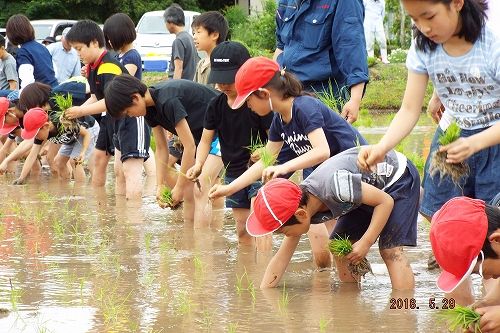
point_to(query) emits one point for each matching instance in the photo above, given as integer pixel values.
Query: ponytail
(286, 83)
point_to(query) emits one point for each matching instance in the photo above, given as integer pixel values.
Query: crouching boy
(382, 204)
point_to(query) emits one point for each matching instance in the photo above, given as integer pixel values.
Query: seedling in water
(184, 303)
(323, 324)
(147, 242)
(438, 160)
(341, 247)
(232, 327)
(15, 296)
(239, 283)
(198, 266)
(462, 318)
(284, 299)
(166, 196)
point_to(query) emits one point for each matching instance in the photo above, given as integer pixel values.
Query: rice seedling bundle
(461, 318)
(341, 247)
(438, 160)
(63, 103)
(166, 196)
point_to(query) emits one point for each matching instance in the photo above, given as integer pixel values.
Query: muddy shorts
(401, 227)
(482, 183)
(243, 197)
(132, 137)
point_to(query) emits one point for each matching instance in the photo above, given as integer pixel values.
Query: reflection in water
(79, 259)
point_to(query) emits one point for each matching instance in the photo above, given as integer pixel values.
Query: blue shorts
(482, 183)
(176, 150)
(401, 227)
(242, 198)
(132, 136)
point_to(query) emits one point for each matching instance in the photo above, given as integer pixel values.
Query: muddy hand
(218, 191)
(19, 181)
(359, 251)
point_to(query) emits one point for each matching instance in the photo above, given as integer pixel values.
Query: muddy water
(73, 259)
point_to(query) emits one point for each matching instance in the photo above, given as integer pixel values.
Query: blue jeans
(482, 182)
(242, 198)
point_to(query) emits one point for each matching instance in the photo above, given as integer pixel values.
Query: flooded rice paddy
(77, 259)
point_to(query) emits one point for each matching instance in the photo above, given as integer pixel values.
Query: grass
(386, 88)
(462, 318)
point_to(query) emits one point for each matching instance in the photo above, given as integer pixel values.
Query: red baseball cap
(458, 232)
(33, 120)
(254, 74)
(4, 108)
(274, 204)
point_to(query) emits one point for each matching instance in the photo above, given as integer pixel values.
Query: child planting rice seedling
(369, 206)
(438, 160)
(341, 247)
(63, 103)
(166, 196)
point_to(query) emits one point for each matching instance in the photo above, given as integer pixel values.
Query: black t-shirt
(176, 100)
(237, 130)
(103, 71)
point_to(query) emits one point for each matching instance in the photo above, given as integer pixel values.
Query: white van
(154, 42)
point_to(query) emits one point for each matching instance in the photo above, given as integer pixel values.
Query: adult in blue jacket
(323, 42)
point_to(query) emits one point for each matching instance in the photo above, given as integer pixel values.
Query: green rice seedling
(183, 303)
(239, 282)
(199, 267)
(255, 146)
(147, 241)
(323, 324)
(461, 318)
(334, 101)
(284, 299)
(267, 158)
(232, 327)
(456, 171)
(14, 296)
(341, 247)
(251, 290)
(166, 196)
(64, 102)
(207, 320)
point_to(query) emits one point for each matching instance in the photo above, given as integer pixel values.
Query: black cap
(49, 40)
(225, 60)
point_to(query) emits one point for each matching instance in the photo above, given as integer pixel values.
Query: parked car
(2, 31)
(154, 42)
(52, 28)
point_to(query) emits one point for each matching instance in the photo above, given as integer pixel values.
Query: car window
(42, 30)
(152, 25)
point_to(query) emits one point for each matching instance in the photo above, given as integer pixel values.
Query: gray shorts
(73, 149)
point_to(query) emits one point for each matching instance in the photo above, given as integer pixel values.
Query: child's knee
(394, 254)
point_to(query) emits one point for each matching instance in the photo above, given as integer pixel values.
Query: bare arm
(279, 262)
(350, 110)
(202, 152)
(178, 63)
(85, 144)
(28, 164)
(12, 84)
(382, 204)
(131, 68)
(90, 107)
(248, 177)
(319, 153)
(401, 125)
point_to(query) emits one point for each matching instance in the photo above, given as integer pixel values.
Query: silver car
(154, 42)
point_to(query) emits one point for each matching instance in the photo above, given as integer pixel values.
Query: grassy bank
(384, 92)
(387, 86)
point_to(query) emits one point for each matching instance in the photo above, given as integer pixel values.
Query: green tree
(401, 24)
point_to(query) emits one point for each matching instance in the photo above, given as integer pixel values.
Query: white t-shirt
(468, 85)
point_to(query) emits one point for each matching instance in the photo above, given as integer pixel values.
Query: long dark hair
(472, 16)
(287, 84)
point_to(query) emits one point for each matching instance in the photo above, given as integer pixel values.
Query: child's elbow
(323, 154)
